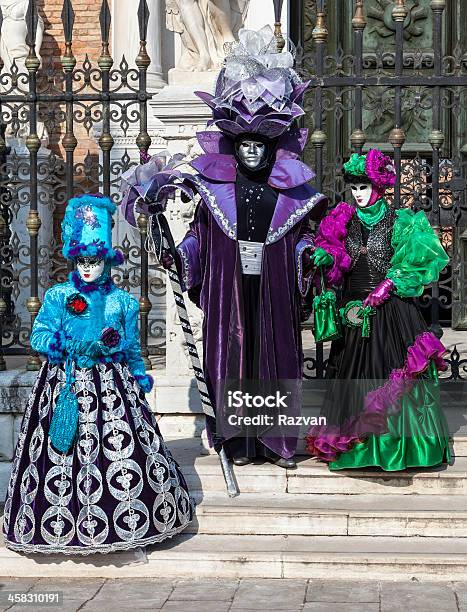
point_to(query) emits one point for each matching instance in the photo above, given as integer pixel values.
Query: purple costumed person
(245, 258)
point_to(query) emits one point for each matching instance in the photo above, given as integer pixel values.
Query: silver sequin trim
(210, 199)
(303, 285)
(294, 218)
(378, 249)
(185, 268)
(90, 550)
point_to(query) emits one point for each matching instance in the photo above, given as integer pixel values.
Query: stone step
(337, 515)
(233, 556)
(177, 394)
(203, 473)
(183, 426)
(460, 446)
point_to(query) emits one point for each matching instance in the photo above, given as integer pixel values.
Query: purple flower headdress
(257, 91)
(151, 183)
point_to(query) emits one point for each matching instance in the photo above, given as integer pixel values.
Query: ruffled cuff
(304, 276)
(146, 382)
(418, 256)
(380, 294)
(57, 350)
(327, 443)
(331, 236)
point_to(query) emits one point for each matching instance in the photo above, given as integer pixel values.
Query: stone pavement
(99, 595)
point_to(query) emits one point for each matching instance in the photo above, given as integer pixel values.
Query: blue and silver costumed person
(91, 472)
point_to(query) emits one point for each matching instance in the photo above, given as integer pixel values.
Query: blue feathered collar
(104, 284)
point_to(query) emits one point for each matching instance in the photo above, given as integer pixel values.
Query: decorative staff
(146, 190)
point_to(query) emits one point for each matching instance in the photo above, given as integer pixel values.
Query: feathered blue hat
(87, 229)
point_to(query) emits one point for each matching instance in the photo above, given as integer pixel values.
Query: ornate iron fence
(35, 184)
(382, 75)
(405, 99)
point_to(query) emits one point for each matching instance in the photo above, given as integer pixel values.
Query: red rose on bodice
(76, 304)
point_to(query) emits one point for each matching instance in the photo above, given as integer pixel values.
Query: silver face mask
(252, 153)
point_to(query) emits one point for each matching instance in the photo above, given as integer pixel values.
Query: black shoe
(241, 460)
(287, 464)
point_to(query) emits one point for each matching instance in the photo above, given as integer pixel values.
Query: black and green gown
(382, 406)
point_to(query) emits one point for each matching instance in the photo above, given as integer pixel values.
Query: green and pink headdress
(374, 168)
(87, 229)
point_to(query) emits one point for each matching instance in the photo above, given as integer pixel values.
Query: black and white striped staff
(160, 240)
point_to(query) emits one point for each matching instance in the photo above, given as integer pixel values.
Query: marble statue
(14, 51)
(205, 26)
(13, 34)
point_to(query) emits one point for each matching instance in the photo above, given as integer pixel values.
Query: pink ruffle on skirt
(326, 443)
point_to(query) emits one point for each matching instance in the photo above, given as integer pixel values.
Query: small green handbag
(327, 324)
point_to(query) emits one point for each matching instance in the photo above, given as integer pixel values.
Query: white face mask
(90, 268)
(252, 153)
(361, 193)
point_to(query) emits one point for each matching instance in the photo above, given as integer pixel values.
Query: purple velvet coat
(211, 272)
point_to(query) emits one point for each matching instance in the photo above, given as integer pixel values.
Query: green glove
(322, 258)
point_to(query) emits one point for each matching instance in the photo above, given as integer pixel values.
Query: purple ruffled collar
(217, 172)
(104, 284)
(285, 174)
(218, 162)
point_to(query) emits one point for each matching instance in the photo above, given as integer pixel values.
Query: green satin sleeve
(418, 254)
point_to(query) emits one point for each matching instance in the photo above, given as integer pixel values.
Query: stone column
(125, 37)
(125, 42)
(261, 13)
(180, 114)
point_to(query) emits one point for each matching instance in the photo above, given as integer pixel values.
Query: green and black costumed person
(382, 404)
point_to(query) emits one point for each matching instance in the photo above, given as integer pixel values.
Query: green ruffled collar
(371, 215)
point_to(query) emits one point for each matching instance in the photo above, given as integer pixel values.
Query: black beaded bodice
(371, 253)
(256, 203)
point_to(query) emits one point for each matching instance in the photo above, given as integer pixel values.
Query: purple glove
(167, 261)
(380, 294)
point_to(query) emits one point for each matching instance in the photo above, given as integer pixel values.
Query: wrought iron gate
(407, 96)
(393, 74)
(35, 185)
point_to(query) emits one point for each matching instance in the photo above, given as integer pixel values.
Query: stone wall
(86, 41)
(15, 389)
